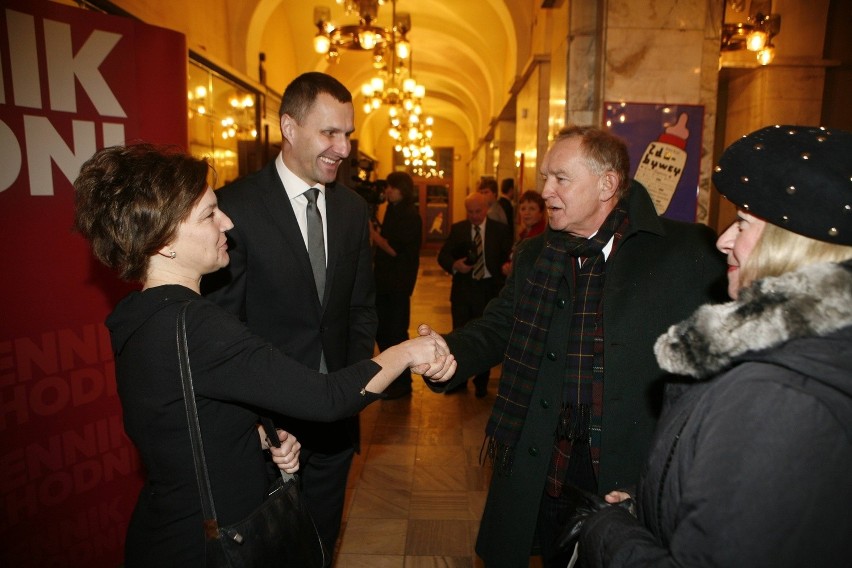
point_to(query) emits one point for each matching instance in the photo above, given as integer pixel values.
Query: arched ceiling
(467, 53)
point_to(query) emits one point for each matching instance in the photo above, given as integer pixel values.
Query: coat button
(545, 403)
(551, 355)
(533, 451)
(560, 303)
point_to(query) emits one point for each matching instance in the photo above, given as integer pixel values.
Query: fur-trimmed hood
(814, 301)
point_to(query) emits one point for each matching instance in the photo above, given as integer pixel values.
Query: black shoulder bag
(280, 532)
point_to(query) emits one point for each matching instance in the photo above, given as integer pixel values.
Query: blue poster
(664, 143)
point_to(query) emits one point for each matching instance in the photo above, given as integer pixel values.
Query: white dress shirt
(296, 188)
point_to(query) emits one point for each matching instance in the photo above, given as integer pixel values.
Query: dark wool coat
(660, 272)
(753, 467)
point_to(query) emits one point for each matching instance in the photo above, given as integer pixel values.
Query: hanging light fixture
(755, 34)
(395, 89)
(366, 35)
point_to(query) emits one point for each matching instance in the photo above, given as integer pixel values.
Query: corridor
(416, 491)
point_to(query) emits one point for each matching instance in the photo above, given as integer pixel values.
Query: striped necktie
(479, 264)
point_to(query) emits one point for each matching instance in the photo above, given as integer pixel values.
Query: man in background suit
(476, 270)
(322, 316)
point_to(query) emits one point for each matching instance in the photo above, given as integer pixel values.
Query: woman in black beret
(752, 458)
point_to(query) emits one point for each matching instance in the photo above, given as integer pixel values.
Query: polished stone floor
(416, 491)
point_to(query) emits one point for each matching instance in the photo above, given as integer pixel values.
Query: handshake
(443, 366)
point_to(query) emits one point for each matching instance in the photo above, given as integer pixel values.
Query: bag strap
(208, 510)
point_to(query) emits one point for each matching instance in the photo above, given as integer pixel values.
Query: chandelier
(755, 34)
(364, 36)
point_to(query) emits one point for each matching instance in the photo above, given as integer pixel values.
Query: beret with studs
(796, 177)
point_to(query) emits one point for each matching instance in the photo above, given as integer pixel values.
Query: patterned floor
(416, 491)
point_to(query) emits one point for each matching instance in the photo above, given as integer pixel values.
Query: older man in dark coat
(574, 327)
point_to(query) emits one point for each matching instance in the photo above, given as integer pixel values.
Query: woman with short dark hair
(150, 214)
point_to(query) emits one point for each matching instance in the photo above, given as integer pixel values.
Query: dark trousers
(323, 478)
(394, 312)
(480, 292)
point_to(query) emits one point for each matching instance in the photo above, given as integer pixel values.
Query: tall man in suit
(474, 253)
(320, 313)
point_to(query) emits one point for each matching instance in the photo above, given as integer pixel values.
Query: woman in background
(396, 261)
(750, 466)
(532, 215)
(150, 215)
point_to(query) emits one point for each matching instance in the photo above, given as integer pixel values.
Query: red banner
(73, 81)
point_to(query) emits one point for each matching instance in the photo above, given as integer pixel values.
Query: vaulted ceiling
(467, 53)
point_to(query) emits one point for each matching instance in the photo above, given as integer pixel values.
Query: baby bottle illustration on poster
(663, 162)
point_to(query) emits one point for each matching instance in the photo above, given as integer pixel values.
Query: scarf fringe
(501, 456)
(574, 422)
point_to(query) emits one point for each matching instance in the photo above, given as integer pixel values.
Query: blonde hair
(778, 251)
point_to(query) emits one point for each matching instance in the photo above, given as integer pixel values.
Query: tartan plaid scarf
(529, 335)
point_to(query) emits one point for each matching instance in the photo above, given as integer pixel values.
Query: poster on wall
(73, 81)
(664, 143)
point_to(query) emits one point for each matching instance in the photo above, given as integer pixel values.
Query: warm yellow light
(403, 49)
(756, 41)
(321, 43)
(248, 101)
(409, 85)
(367, 107)
(420, 91)
(407, 104)
(367, 39)
(766, 55)
(393, 111)
(200, 92)
(429, 120)
(378, 84)
(202, 109)
(367, 90)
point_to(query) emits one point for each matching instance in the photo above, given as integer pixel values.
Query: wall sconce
(755, 34)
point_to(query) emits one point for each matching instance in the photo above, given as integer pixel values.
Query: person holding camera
(395, 263)
(474, 253)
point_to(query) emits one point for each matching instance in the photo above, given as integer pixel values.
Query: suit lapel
(336, 232)
(278, 203)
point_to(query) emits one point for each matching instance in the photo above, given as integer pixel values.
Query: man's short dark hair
(300, 94)
(490, 184)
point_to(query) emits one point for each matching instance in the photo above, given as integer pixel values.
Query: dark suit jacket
(459, 244)
(270, 286)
